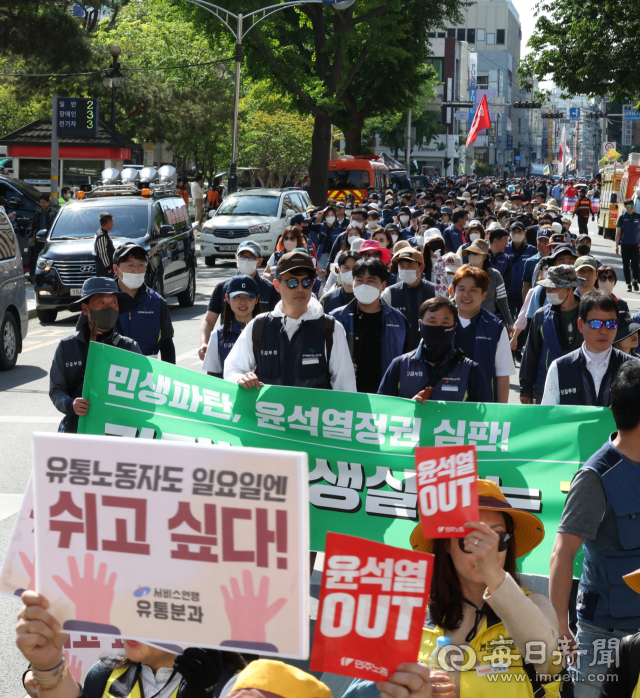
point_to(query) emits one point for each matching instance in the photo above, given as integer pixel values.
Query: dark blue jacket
(142, 322)
(453, 238)
(335, 298)
(226, 341)
(502, 262)
(518, 258)
(408, 301)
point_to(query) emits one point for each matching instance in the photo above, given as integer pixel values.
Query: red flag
(481, 121)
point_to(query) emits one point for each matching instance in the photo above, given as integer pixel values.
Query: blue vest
(227, 341)
(299, 362)
(414, 376)
(630, 229)
(603, 597)
(500, 263)
(488, 331)
(142, 322)
(551, 347)
(394, 329)
(518, 262)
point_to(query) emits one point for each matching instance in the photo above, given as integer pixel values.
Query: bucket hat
(562, 276)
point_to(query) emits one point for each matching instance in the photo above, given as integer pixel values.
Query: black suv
(158, 221)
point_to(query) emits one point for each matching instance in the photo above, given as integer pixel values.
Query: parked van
(14, 319)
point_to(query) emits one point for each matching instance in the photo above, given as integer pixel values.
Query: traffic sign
(574, 113)
(77, 117)
(609, 146)
(630, 114)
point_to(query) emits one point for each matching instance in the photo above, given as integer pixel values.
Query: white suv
(255, 214)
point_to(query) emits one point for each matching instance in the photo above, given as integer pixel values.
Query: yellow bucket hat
(267, 678)
(528, 530)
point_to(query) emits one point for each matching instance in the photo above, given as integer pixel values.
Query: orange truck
(354, 174)
(619, 183)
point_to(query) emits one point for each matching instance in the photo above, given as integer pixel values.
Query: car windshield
(249, 205)
(348, 179)
(82, 221)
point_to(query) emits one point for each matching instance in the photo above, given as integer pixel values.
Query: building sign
(473, 71)
(630, 114)
(481, 154)
(627, 133)
(77, 117)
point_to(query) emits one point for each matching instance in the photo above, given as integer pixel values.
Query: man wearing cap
(561, 254)
(454, 236)
(587, 269)
(148, 321)
(583, 247)
(498, 241)
(248, 260)
(628, 238)
(411, 291)
(553, 333)
(102, 302)
(341, 294)
(584, 376)
(296, 344)
(103, 247)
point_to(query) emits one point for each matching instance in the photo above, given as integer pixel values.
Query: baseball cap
(295, 260)
(586, 261)
(299, 218)
(558, 239)
(407, 253)
(517, 225)
(242, 284)
(563, 249)
(543, 233)
(583, 237)
(250, 246)
(124, 249)
(445, 209)
(557, 227)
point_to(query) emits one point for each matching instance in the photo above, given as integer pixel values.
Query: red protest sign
(447, 490)
(372, 606)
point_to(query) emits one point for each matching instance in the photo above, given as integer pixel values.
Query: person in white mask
(377, 333)
(473, 231)
(148, 322)
(248, 261)
(357, 228)
(342, 292)
(606, 281)
(518, 252)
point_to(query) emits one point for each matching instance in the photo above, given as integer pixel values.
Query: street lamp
(226, 17)
(114, 79)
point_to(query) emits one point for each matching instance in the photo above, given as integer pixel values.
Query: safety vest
(518, 259)
(488, 331)
(298, 362)
(128, 683)
(142, 322)
(393, 330)
(603, 597)
(227, 341)
(492, 643)
(414, 376)
(551, 347)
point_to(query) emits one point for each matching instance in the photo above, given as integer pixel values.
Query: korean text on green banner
(360, 446)
(167, 542)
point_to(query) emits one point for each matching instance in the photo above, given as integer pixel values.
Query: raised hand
(38, 634)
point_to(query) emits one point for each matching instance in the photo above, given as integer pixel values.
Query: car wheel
(210, 260)
(47, 315)
(158, 285)
(188, 297)
(9, 340)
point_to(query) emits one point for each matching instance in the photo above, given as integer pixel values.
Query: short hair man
(42, 220)
(103, 247)
(628, 238)
(341, 294)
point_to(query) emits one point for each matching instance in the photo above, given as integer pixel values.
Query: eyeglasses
(604, 277)
(369, 255)
(597, 324)
(307, 283)
(503, 543)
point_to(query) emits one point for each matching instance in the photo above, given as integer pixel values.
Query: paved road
(25, 408)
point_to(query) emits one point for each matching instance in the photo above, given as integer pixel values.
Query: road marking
(41, 344)
(30, 420)
(10, 504)
(192, 353)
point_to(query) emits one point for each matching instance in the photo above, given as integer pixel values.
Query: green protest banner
(360, 446)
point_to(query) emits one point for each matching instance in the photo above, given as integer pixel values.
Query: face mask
(330, 220)
(436, 245)
(420, 240)
(545, 273)
(475, 260)
(474, 236)
(517, 238)
(409, 276)
(347, 213)
(404, 220)
(394, 237)
(555, 298)
(247, 266)
(436, 341)
(605, 286)
(358, 224)
(290, 245)
(106, 318)
(351, 238)
(347, 277)
(372, 225)
(366, 294)
(132, 280)
(583, 250)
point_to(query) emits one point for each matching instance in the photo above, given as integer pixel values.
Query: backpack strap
(257, 333)
(328, 325)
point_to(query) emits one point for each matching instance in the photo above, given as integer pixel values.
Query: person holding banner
(102, 302)
(296, 344)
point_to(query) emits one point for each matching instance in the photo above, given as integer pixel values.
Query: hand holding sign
(38, 632)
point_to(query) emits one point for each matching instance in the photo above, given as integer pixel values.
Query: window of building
(462, 33)
(432, 35)
(483, 82)
(480, 36)
(438, 64)
(442, 35)
(471, 36)
(500, 36)
(77, 172)
(491, 39)
(451, 33)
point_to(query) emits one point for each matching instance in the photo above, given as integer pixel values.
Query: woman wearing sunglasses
(477, 601)
(606, 281)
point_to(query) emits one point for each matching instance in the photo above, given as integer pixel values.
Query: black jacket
(67, 371)
(408, 301)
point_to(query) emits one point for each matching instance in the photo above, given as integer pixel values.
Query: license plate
(227, 248)
(76, 291)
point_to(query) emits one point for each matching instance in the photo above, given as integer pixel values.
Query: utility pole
(54, 146)
(408, 144)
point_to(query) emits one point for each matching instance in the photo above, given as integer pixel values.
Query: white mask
(545, 273)
(605, 286)
(476, 260)
(420, 240)
(358, 224)
(372, 225)
(555, 298)
(132, 280)
(474, 236)
(347, 212)
(247, 266)
(366, 294)
(347, 277)
(290, 245)
(351, 238)
(330, 220)
(394, 237)
(517, 238)
(404, 220)
(409, 276)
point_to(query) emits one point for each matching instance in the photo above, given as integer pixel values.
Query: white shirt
(504, 358)
(597, 365)
(197, 191)
(241, 359)
(152, 684)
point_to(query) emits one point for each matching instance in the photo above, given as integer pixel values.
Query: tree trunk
(320, 156)
(353, 140)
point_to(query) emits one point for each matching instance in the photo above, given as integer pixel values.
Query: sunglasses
(604, 277)
(307, 282)
(597, 324)
(369, 255)
(503, 543)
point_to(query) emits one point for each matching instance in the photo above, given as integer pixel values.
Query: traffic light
(447, 162)
(527, 105)
(552, 115)
(595, 115)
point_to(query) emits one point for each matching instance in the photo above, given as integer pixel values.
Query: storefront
(81, 161)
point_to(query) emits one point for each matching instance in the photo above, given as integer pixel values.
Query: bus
(354, 174)
(618, 184)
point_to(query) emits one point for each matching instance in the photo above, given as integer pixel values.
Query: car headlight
(259, 228)
(44, 264)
